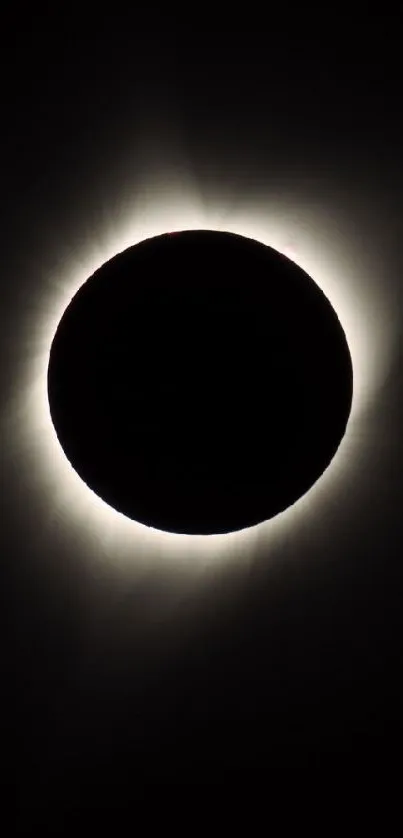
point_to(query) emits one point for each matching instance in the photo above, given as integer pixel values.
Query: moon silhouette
(200, 382)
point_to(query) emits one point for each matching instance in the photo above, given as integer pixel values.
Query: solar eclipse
(200, 383)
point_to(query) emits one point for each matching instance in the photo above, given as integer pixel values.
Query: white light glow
(337, 269)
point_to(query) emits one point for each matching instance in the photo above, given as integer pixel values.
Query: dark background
(279, 671)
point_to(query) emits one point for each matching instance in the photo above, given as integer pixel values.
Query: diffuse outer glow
(60, 492)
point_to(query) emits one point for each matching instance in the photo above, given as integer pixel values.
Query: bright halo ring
(362, 314)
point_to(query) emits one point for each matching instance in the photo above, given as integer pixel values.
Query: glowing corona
(59, 491)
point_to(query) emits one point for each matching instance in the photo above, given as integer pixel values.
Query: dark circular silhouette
(200, 382)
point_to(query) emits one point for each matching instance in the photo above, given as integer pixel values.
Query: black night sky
(192, 669)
